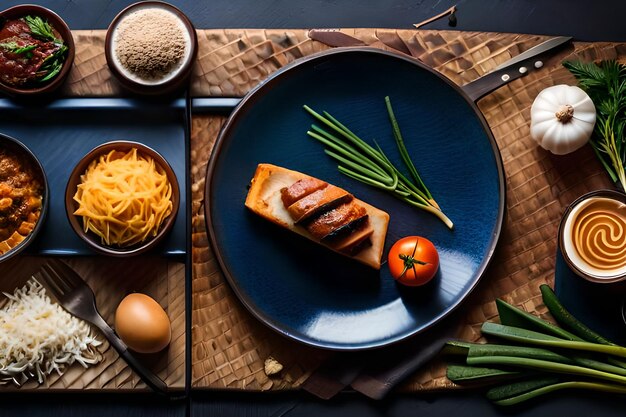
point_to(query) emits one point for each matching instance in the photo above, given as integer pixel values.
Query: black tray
(61, 132)
(599, 306)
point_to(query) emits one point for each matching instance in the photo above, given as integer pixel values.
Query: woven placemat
(111, 280)
(228, 345)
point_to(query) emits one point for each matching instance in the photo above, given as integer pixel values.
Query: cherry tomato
(413, 261)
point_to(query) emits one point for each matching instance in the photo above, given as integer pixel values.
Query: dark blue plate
(307, 292)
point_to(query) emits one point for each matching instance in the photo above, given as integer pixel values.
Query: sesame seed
(150, 43)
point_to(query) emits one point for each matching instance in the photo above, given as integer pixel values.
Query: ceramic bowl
(64, 30)
(91, 238)
(171, 82)
(19, 149)
(566, 236)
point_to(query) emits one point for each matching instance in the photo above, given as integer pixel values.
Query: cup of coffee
(592, 236)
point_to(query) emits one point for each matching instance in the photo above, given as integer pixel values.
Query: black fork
(75, 296)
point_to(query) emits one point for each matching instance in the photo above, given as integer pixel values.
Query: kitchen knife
(516, 67)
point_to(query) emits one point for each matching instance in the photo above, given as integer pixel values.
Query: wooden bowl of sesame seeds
(151, 47)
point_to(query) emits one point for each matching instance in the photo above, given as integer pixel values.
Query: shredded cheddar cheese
(124, 198)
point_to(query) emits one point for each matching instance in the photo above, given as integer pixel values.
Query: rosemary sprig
(606, 85)
(368, 164)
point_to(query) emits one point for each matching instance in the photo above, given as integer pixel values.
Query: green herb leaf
(14, 48)
(545, 366)
(406, 158)
(40, 28)
(606, 86)
(457, 348)
(479, 350)
(566, 319)
(53, 64)
(545, 354)
(53, 72)
(463, 374)
(512, 316)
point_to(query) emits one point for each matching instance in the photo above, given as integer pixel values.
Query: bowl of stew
(23, 197)
(36, 50)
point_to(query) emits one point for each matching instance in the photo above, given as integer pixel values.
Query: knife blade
(514, 68)
(535, 51)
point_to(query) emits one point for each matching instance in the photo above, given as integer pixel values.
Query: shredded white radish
(38, 337)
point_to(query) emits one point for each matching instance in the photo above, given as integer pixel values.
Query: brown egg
(142, 324)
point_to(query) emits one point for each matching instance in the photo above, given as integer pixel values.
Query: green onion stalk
(541, 359)
(369, 165)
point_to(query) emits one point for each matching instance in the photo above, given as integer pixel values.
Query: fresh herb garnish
(606, 85)
(369, 165)
(41, 28)
(42, 38)
(14, 48)
(53, 64)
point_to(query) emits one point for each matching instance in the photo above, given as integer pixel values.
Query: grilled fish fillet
(270, 186)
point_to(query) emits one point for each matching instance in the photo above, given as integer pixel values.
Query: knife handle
(484, 85)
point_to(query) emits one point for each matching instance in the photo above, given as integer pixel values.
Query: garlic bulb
(562, 118)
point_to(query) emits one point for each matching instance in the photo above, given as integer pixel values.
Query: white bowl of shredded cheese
(151, 47)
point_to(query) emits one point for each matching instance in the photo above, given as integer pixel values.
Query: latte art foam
(594, 237)
(600, 236)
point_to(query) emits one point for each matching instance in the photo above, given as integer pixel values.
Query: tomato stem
(410, 261)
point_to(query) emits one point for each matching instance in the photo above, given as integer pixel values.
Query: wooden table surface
(583, 20)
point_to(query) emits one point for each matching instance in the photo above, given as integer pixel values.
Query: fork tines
(54, 281)
(60, 278)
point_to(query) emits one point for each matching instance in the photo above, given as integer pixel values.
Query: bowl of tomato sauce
(36, 50)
